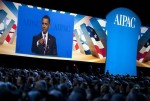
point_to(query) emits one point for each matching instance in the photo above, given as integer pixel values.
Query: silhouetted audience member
(136, 95)
(21, 83)
(41, 85)
(55, 95)
(118, 97)
(78, 94)
(64, 90)
(104, 89)
(7, 94)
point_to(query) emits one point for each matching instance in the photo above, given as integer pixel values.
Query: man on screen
(44, 43)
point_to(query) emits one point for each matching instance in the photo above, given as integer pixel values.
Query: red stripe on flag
(11, 32)
(75, 40)
(140, 55)
(14, 26)
(101, 51)
(8, 38)
(77, 46)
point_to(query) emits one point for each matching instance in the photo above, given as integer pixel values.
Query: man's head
(45, 23)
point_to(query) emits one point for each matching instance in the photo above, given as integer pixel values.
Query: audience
(42, 85)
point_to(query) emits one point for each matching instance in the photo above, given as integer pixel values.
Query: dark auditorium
(82, 50)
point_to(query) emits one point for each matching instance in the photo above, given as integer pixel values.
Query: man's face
(45, 25)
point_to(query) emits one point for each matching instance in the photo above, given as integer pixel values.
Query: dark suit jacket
(51, 48)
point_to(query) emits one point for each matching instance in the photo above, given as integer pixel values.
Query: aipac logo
(123, 28)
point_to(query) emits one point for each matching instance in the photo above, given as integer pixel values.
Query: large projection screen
(78, 37)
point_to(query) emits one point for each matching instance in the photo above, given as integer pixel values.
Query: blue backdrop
(123, 28)
(29, 24)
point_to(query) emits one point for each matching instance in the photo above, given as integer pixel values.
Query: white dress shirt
(43, 38)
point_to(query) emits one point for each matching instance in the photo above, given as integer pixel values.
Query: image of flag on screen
(144, 51)
(96, 41)
(83, 42)
(3, 27)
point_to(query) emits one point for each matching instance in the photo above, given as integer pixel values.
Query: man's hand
(41, 41)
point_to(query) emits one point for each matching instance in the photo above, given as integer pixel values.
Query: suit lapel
(48, 41)
(49, 38)
(40, 36)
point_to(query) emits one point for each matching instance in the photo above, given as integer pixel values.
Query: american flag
(144, 51)
(11, 10)
(99, 47)
(84, 42)
(3, 26)
(96, 41)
